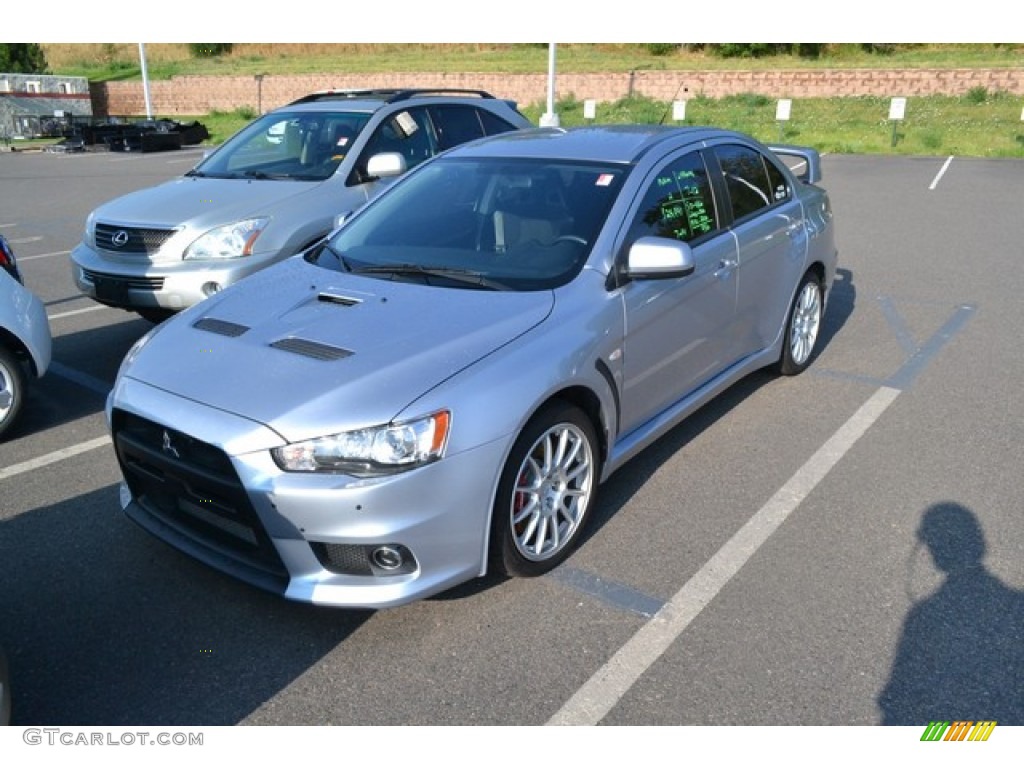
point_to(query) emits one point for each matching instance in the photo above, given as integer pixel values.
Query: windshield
(302, 146)
(489, 223)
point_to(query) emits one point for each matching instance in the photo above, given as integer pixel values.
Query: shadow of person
(961, 654)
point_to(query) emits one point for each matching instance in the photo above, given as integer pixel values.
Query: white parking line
(82, 311)
(611, 682)
(51, 458)
(42, 256)
(23, 240)
(941, 173)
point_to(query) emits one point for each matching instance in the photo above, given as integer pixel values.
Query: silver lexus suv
(272, 190)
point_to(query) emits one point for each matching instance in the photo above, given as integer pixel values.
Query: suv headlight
(380, 450)
(231, 241)
(90, 229)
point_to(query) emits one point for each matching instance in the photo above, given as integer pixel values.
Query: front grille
(112, 237)
(134, 283)
(191, 487)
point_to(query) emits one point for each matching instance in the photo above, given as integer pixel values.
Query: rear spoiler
(804, 162)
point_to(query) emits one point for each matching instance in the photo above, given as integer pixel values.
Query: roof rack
(388, 95)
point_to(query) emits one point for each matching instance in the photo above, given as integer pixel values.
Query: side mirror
(652, 258)
(804, 162)
(386, 165)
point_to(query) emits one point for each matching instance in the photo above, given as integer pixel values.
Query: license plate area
(110, 289)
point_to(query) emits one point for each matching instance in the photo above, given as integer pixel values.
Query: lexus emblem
(168, 447)
(120, 239)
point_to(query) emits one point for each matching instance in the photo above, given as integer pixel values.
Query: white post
(145, 81)
(549, 118)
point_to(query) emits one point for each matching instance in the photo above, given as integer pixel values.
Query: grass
(978, 124)
(945, 125)
(120, 61)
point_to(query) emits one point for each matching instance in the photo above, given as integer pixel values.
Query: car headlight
(380, 450)
(231, 241)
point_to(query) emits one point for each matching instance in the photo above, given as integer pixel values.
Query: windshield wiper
(198, 174)
(465, 276)
(339, 256)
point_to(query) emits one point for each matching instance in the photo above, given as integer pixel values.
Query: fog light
(365, 559)
(211, 288)
(386, 558)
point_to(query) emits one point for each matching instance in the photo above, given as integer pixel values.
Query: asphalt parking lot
(840, 548)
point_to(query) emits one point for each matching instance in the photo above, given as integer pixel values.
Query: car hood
(201, 202)
(310, 352)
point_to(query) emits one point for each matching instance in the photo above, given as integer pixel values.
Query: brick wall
(200, 95)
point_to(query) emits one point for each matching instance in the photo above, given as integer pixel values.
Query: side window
(494, 124)
(455, 124)
(678, 203)
(747, 177)
(404, 132)
(776, 181)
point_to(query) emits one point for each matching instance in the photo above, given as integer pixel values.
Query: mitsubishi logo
(120, 239)
(168, 447)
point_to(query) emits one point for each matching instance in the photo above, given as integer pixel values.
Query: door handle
(725, 266)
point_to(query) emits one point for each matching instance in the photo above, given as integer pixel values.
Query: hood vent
(333, 298)
(313, 349)
(222, 327)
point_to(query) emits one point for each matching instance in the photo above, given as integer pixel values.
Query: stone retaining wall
(194, 95)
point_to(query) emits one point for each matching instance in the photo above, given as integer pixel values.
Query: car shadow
(104, 625)
(82, 371)
(841, 302)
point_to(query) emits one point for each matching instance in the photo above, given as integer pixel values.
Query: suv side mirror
(386, 165)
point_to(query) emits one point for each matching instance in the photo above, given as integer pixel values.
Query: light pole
(145, 81)
(549, 118)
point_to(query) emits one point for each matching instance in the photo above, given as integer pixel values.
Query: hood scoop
(222, 327)
(334, 298)
(313, 349)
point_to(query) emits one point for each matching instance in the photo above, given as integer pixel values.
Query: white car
(25, 342)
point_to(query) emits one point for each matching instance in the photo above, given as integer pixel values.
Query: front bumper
(139, 284)
(210, 487)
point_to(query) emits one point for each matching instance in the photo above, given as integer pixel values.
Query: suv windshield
(490, 223)
(301, 146)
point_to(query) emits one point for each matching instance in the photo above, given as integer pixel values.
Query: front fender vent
(313, 349)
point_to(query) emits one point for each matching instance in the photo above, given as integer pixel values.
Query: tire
(12, 388)
(803, 326)
(546, 492)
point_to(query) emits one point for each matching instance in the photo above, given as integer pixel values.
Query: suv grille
(191, 487)
(111, 237)
(140, 283)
